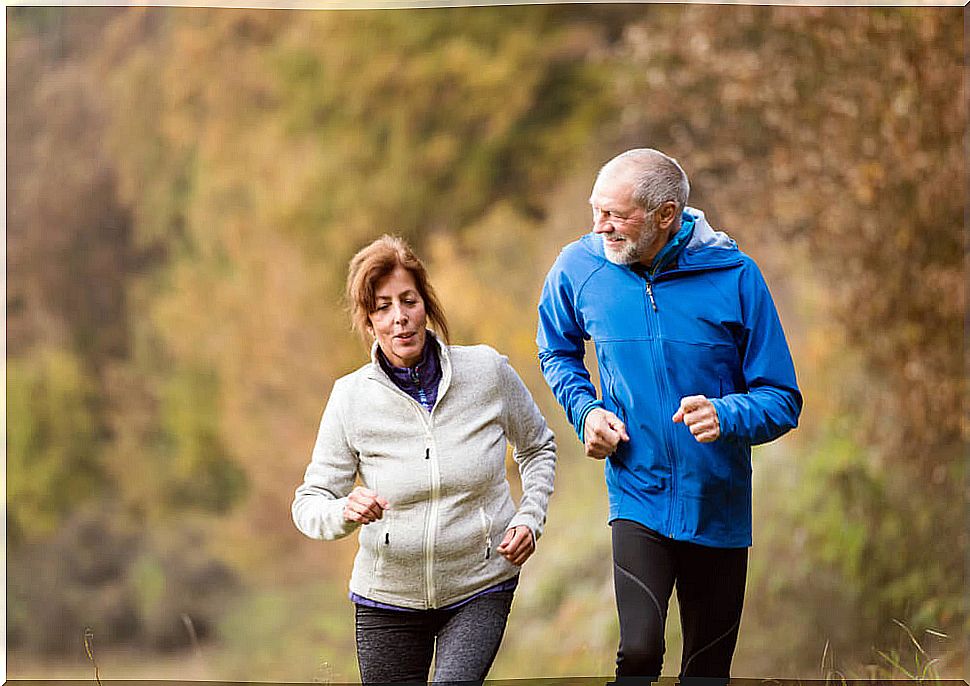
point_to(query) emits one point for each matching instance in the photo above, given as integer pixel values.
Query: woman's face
(399, 321)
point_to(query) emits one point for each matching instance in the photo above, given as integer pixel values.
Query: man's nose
(602, 223)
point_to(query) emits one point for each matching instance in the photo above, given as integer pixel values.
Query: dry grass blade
(89, 649)
(911, 637)
(893, 661)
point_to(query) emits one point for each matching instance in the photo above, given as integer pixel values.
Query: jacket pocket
(381, 545)
(611, 397)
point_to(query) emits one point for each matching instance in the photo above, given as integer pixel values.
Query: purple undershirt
(508, 585)
(420, 381)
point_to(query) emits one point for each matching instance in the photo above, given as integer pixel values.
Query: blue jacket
(706, 325)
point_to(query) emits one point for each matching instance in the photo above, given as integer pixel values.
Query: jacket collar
(377, 373)
(706, 248)
(671, 251)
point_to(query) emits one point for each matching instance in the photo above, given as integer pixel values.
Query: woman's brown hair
(371, 264)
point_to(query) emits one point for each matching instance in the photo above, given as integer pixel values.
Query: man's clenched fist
(602, 432)
(698, 414)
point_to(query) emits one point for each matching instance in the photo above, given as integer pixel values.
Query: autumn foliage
(185, 187)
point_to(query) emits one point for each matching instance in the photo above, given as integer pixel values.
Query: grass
(916, 664)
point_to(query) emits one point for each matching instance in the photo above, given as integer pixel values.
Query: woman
(424, 427)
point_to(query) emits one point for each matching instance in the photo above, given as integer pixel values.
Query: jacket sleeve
(320, 500)
(534, 449)
(772, 402)
(561, 342)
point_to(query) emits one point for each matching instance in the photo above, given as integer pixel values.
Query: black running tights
(710, 591)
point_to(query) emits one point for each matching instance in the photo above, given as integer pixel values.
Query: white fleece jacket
(443, 473)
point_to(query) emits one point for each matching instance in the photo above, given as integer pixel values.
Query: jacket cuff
(526, 520)
(332, 524)
(725, 418)
(581, 420)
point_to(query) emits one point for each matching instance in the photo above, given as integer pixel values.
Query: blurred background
(186, 186)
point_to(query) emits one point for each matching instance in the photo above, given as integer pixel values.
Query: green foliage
(923, 664)
(53, 442)
(200, 472)
(188, 184)
(131, 586)
(297, 633)
(846, 496)
(180, 589)
(72, 580)
(499, 109)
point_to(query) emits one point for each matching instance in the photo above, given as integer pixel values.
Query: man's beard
(627, 252)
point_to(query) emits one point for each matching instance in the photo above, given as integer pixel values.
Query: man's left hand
(517, 545)
(698, 414)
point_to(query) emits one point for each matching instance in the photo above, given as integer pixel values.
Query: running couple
(694, 370)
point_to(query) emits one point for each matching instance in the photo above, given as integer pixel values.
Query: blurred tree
(68, 242)
(52, 443)
(72, 265)
(187, 185)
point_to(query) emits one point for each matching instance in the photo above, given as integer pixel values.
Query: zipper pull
(427, 453)
(488, 552)
(387, 538)
(650, 293)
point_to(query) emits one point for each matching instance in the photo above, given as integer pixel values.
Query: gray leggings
(396, 647)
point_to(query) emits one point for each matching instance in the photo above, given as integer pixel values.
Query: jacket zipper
(657, 353)
(429, 534)
(430, 531)
(427, 421)
(656, 350)
(650, 293)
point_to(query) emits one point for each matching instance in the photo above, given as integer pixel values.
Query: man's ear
(667, 214)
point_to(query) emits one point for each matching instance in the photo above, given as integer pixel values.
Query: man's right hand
(603, 431)
(364, 506)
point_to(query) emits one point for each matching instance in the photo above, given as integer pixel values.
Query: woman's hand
(364, 506)
(517, 545)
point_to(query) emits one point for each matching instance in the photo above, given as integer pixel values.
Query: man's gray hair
(657, 177)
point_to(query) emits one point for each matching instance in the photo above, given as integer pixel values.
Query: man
(694, 370)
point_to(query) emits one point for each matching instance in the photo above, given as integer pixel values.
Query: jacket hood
(707, 247)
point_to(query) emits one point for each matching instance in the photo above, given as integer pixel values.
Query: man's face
(629, 234)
